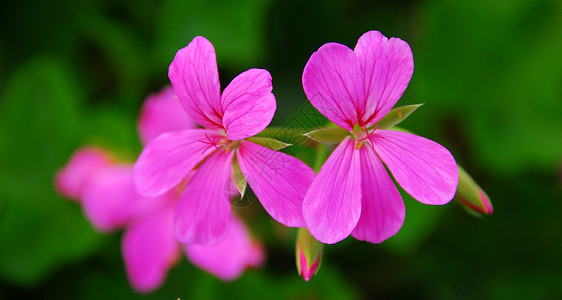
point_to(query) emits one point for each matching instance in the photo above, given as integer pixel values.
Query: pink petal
(382, 210)
(388, 65)
(202, 214)
(195, 78)
(333, 82)
(110, 200)
(167, 159)
(423, 168)
(161, 113)
(70, 181)
(280, 181)
(332, 205)
(149, 249)
(228, 259)
(248, 104)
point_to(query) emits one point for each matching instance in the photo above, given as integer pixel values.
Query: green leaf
(269, 143)
(40, 126)
(328, 135)
(396, 115)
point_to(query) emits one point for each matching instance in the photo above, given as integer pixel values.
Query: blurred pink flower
(244, 109)
(162, 112)
(70, 181)
(353, 193)
(149, 247)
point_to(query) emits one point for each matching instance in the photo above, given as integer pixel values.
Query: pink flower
(229, 258)
(353, 193)
(110, 202)
(245, 108)
(162, 112)
(70, 181)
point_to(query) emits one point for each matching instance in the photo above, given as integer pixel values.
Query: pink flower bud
(471, 196)
(308, 254)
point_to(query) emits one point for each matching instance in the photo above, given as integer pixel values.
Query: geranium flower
(353, 193)
(106, 190)
(244, 109)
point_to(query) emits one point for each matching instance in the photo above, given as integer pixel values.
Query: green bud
(308, 253)
(472, 198)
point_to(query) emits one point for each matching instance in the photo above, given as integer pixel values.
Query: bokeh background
(489, 71)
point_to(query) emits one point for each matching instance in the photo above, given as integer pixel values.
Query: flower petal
(110, 200)
(388, 65)
(228, 259)
(161, 113)
(280, 181)
(167, 159)
(71, 180)
(382, 210)
(333, 82)
(248, 104)
(332, 205)
(195, 78)
(202, 214)
(149, 249)
(423, 168)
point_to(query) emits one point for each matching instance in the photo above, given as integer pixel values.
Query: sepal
(396, 115)
(328, 135)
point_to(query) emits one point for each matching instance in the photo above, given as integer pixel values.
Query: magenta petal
(110, 200)
(167, 159)
(333, 82)
(248, 104)
(423, 168)
(195, 78)
(382, 211)
(202, 214)
(71, 180)
(228, 259)
(280, 181)
(332, 205)
(388, 65)
(161, 113)
(149, 249)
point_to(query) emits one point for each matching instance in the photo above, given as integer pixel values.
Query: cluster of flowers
(181, 185)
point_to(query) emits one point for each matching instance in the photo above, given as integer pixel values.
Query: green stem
(321, 151)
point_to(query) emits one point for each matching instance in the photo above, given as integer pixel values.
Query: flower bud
(308, 254)
(471, 196)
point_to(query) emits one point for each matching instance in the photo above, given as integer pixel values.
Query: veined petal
(423, 168)
(202, 214)
(388, 65)
(167, 159)
(71, 180)
(195, 78)
(162, 112)
(382, 210)
(248, 104)
(110, 200)
(228, 259)
(332, 205)
(149, 249)
(280, 181)
(333, 82)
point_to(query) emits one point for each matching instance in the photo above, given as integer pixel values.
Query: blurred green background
(490, 73)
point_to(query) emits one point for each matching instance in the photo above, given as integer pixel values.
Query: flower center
(361, 134)
(219, 141)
